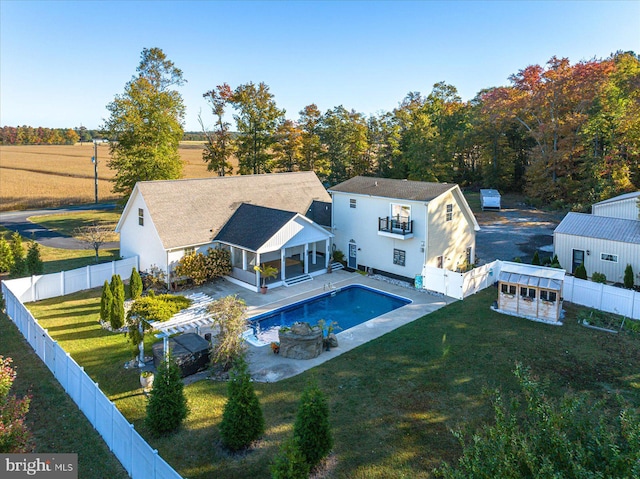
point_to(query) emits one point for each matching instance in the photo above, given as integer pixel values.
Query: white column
(313, 253)
(326, 253)
(232, 251)
(283, 263)
(244, 259)
(306, 258)
(257, 273)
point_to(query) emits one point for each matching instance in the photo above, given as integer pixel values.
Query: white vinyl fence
(460, 285)
(611, 299)
(136, 456)
(46, 286)
(599, 296)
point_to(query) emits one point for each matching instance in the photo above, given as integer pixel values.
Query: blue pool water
(348, 306)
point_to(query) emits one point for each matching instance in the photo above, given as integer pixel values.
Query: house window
(609, 257)
(467, 255)
(449, 212)
(188, 251)
(399, 257)
(140, 216)
(548, 296)
(352, 203)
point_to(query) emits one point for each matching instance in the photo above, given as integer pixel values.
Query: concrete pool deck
(265, 366)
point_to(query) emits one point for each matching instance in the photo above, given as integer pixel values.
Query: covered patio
(294, 245)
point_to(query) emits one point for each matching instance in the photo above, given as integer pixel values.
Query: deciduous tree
(257, 118)
(95, 236)
(219, 146)
(146, 123)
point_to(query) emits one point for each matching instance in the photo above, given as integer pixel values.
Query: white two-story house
(397, 227)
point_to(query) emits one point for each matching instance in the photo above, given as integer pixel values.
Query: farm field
(37, 176)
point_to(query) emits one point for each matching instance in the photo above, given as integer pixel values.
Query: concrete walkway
(268, 367)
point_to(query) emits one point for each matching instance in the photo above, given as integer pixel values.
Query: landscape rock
(300, 346)
(332, 340)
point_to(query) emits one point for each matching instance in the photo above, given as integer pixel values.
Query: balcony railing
(396, 224)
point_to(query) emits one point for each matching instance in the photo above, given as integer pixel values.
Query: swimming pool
(348, 306)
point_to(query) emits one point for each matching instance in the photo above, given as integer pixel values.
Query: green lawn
(393, 401)
(67, 223)
(58, 259)
(57, 424)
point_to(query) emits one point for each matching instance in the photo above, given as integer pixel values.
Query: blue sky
(61, 62)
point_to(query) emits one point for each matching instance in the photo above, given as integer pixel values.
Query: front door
(353, 264)
(578, 259)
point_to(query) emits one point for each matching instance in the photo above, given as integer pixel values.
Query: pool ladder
(328, 286)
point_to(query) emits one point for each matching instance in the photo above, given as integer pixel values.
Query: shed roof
(623, 197)
(489, 192)
(193, 211)
(600, 227)
(390, 188)
(252, 226)
(530, 281)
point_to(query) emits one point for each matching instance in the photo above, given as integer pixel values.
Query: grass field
(36, 176)
(393, 401)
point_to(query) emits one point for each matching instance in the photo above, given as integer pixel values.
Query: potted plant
(275, 347)
(266, 272)
(146, 379)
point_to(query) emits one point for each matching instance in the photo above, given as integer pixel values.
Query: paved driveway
(516, 231)
(18, 221)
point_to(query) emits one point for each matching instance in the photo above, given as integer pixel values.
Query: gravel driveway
(516, 231)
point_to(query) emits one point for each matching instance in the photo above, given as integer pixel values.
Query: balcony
(399, 227)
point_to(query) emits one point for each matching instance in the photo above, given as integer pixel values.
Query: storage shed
(533, 292)
(490, 200)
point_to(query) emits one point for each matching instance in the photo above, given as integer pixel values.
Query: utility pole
(95, 166)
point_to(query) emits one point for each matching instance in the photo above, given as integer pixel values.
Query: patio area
(265, 366)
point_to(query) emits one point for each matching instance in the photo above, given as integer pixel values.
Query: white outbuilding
(489, 199)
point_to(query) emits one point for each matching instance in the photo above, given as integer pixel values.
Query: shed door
(578, 259)
(353, 263)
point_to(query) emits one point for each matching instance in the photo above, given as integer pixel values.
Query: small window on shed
(508, 288)
(548, 296)
(609, 257)
(352, 203)
(140, 216)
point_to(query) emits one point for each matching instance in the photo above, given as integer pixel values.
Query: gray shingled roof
(601, 227)
(191, 212)
(252, 226)
(390, 188)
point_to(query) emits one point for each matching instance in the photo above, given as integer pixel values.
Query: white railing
(138, 458)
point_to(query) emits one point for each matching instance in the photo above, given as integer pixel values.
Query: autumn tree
(257, 118)
(14, 435)
(344, 136)
(147, 124)
(219, 146)
(288, 147)
(311, 146)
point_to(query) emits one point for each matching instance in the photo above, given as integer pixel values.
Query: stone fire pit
(301, 342)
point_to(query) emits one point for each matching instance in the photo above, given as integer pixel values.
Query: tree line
(28, 135)
(565, 135)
